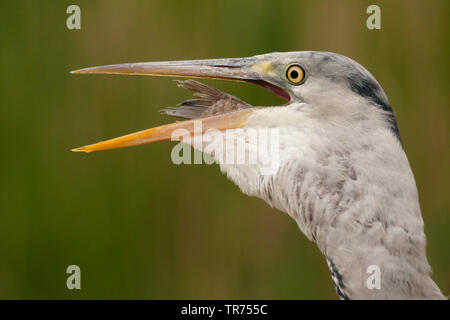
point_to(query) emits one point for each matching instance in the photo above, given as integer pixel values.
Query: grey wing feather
(209, 101)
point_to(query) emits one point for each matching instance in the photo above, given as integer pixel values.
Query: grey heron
(343, 175)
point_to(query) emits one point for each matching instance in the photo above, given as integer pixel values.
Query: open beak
(237, 69)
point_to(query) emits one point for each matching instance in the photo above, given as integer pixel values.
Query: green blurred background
(142, 227)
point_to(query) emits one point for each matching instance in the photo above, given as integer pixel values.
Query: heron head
(317, 76)
(330, 83)
(333, 85)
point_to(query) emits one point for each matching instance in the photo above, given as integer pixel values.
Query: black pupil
(294, 74)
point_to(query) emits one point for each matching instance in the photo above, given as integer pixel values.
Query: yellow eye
(295, 74)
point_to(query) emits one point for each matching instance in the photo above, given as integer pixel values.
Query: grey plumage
(345, 179)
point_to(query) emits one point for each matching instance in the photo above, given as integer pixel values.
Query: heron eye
(295, 74)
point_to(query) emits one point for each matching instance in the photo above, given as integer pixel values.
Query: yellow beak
(163, 133)
(237, 69)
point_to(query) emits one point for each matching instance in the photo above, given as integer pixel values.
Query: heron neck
(361, 208)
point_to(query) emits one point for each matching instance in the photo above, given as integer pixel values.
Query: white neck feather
(351, 190)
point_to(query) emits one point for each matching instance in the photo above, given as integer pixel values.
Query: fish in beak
(215, 109)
